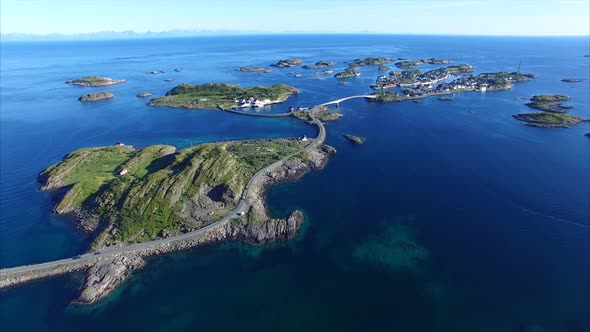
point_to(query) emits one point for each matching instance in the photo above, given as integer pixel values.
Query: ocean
(453, 216)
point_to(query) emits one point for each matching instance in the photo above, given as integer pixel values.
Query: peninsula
(124, 195)
(137, 203)
(96, 96)
(212, 95)
(94, 81)
(141, 202)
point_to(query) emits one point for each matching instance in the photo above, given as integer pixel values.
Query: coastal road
(242, 207)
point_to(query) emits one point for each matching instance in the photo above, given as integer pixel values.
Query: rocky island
(143, 95)
(371, 61)
(322, 113)
(170, 200)
(351, 71)
(287, 63)
(414, 63)
(549, 103)
(94, 81)
(95, 96)
(254, 70)
(549, 120)
(224, 95)
(319, 64)
(355, 139)
(553, 113)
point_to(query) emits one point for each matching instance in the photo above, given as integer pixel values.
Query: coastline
(114, 268)
(107, 269)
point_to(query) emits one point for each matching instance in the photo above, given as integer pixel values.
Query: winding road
(81, 261)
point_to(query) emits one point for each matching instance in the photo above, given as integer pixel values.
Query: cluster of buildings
(414, 83)
(418, 80)
(482, 82)
(252, 102)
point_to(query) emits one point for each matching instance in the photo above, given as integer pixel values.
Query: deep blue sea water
(452, 216)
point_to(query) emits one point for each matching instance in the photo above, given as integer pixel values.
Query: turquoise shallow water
(451, 217)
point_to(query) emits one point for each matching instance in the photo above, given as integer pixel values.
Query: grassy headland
(141, 195)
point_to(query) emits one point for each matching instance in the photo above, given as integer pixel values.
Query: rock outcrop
(106, 275)
(96, 96)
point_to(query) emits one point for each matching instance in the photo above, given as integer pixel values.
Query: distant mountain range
(118, 35)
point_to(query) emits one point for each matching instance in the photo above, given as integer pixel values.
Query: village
(414, 83)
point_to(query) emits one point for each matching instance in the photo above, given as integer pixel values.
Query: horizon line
(186, 33)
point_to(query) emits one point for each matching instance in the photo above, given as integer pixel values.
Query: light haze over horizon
(463, 17)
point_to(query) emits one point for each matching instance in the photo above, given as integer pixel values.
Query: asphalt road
(242, 207)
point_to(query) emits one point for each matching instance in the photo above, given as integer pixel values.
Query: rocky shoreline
(104, 274)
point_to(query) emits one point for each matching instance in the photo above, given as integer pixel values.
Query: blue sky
(471, 17)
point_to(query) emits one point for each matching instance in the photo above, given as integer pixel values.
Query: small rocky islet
(358, 140)
(254, 70)
(572, 80)
(92, 97)
(350, 71)
(94, 81)
(322, 113)
(143, 95)
(287, 63)
(319, 64)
